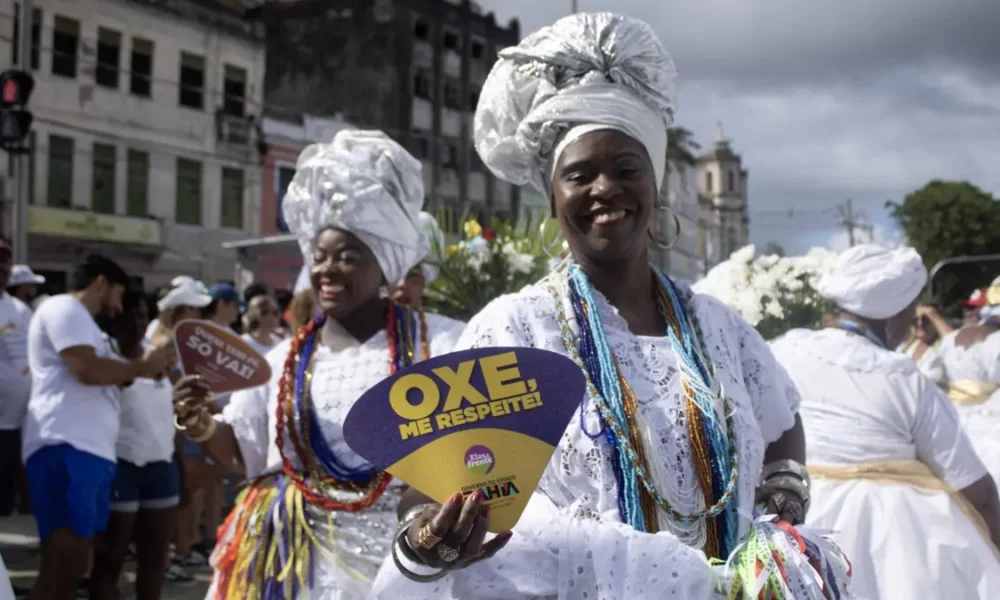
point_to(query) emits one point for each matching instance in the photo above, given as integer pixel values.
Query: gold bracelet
(207, 432)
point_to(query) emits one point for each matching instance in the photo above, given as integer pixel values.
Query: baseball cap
(976, 300)
(187, 293)
(225, 291)
(22, 274)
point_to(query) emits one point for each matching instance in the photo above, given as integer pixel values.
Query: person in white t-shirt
(146, 490)
(15, 384)
(260, 322)
(71, 427)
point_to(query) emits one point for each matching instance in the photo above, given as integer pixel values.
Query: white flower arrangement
(773, 293)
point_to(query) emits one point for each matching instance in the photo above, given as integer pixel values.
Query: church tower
(722, 200)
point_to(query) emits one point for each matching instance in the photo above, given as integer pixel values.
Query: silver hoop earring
(542, 235)
(677, 231)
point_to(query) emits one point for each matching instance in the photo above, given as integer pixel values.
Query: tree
(945, 219)
(681, 146)
(774, 248)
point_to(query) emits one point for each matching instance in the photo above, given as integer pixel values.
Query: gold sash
(969, 392)
(910, 473)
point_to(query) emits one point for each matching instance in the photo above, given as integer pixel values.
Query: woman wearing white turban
(894, 475)
(658, 471)
(316, 520)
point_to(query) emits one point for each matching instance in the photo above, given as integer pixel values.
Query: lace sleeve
(247, 414)
(554, 556)
(775, 398)
(495, 325)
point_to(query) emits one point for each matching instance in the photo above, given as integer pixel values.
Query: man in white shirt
(15, 384)
(71, 427)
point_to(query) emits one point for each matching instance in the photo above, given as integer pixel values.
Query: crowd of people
(853, 461)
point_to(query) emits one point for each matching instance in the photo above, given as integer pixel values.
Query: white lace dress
(571, 542)
(353, 544)
(978, 362)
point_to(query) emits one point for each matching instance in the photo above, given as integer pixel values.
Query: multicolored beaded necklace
(713, 444)
(271, 561)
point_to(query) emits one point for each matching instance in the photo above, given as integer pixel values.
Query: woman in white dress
(657, 475)
(315, 520)
(922, 347)
(261, 322)
(894, 475)
(971, 360)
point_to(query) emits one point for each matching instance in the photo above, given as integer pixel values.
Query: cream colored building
(724, 225)
(145, 134)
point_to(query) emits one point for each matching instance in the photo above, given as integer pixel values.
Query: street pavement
(19, 548)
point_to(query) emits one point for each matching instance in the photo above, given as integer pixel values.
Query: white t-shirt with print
(147, 422)
(15, 376)
(61, 409)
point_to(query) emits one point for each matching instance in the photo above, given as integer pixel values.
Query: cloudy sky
(828, 100)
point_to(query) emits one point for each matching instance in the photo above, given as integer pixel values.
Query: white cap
(22, 274)
(187, 292)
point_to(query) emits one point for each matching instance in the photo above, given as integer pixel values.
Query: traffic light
(15, 119)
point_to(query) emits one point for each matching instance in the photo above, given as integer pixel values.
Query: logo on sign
(479, 460)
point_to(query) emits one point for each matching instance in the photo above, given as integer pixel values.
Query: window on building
(451, 41)
(60, 193)
(422, 30)
(187, 209)
(422, 84)
(477, 50)
(36, 34)
(732, 181)
(109, 50)
(449, 155)
(137, 183)
(708, 182)
(65, 45)
(234, 89)
(452, 94)
(232, 198)
(141, 68)
(732, 240)
(192, 88)
(102, 189)
(473, 99)
(282, 179)
(420, 146)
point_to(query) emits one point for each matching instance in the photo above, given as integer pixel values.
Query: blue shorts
(70, 489)
(154, 486)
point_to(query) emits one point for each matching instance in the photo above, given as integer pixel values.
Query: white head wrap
(595, 70)
(185, 291)
(874, 282)
(365, 183)
(431, 244)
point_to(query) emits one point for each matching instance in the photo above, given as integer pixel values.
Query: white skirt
(905, 543)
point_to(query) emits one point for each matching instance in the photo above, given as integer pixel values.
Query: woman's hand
(191, 398)
(453, 536)
(782, 501)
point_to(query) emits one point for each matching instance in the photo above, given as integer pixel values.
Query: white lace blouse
(573, 519)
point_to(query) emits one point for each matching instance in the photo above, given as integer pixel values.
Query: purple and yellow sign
(486, 419)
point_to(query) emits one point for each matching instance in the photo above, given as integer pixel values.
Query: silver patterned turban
(586, 72)
(365, 183)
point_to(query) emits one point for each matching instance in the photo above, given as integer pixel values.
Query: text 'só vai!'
(506, 393)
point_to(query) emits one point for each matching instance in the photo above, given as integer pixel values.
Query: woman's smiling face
(603, 194)
(345, 273)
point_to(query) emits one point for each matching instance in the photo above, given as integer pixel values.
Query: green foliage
(487, 263)
(948, 219)
(802, 308)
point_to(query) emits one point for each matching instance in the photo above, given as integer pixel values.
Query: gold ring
(426, 538)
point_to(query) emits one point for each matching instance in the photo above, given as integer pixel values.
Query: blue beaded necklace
(859, 329)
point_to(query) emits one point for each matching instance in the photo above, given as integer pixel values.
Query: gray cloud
(867, 99)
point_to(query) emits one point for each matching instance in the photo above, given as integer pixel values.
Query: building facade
(412, 68)
(145, 136)
(722, 200)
